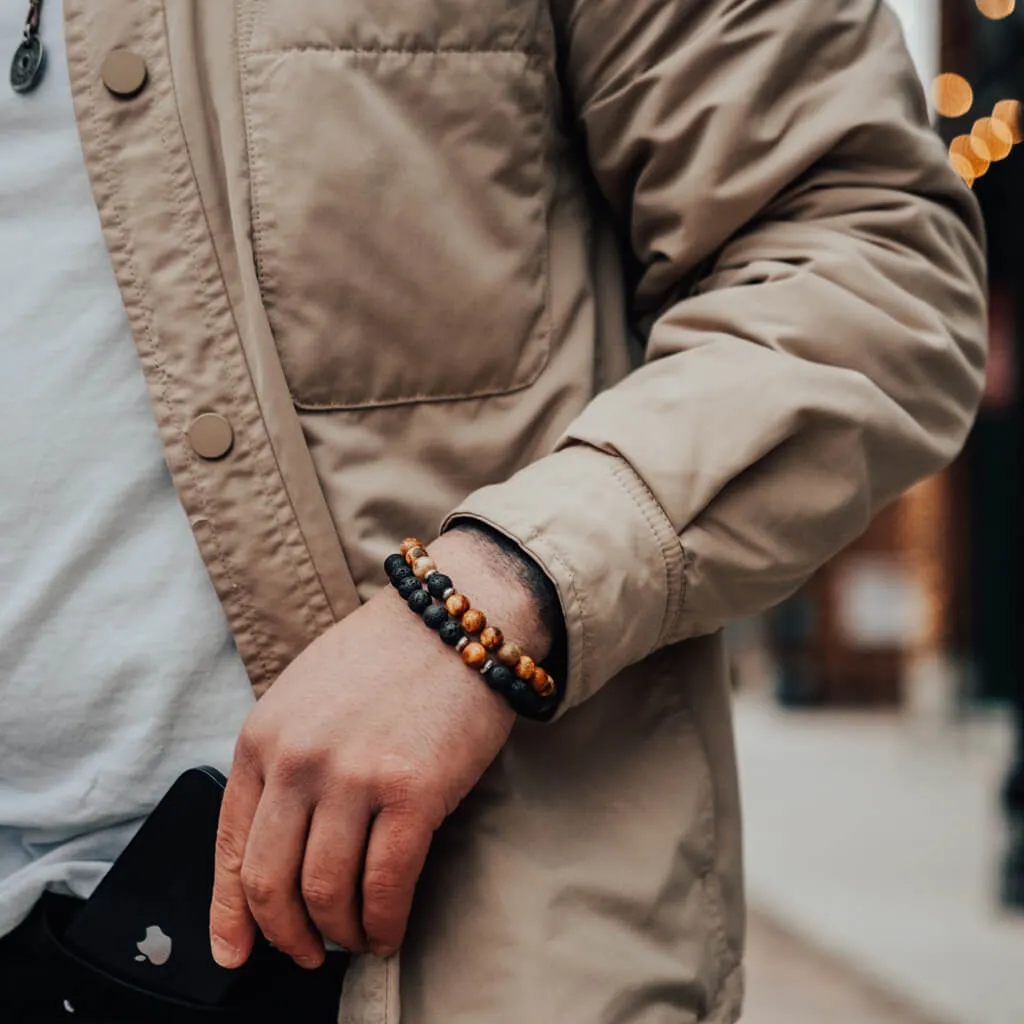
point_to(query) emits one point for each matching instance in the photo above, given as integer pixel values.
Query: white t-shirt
(117, 669)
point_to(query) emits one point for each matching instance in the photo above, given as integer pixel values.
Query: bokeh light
(974, 151)
(1009, 112)
(996, 8)
(995, 135)
(952, 95)
(963, 167)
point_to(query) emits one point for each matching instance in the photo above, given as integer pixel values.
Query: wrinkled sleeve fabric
(813, 290)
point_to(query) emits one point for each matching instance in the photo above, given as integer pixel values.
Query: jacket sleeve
(830, 354)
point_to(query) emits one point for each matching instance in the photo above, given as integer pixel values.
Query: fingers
(270, 875)
(397, 850)
(295, 860)
(232, 928)
(332, 868)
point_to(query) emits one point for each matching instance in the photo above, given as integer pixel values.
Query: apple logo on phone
(155, 947)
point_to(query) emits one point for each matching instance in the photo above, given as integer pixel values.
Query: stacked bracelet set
(506, 668)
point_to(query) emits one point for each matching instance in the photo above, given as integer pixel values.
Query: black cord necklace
(30, 57)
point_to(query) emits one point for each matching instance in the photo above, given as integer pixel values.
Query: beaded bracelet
(506, 668)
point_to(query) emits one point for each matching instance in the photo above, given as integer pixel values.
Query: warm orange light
(996, 8)
(952, 95)
(963, 167)
(973, 150)
(996, 136)
(1009, 112)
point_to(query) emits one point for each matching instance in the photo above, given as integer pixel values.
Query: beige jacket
(393, 250)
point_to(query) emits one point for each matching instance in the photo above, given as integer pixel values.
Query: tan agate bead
(525, 668)
(415, 554)
(492, 638)
(408, 544)
(457, 605)
(509, 654)
(474, 621)
(543, 683)
(474, 655)
(422, 566)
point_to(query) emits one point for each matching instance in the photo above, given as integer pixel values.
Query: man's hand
(345, 769)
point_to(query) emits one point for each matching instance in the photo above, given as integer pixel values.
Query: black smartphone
(148, 920)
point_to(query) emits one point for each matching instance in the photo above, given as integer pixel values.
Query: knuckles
(249, 747)
(400, 787)
(260, 889)
(381, 888)
(299, 766)
(322, 898)
(317, 767)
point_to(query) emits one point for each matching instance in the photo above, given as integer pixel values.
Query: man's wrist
(509, 560)
(506, 561)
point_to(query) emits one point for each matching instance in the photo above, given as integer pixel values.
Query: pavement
(873, 839)
(788, 982)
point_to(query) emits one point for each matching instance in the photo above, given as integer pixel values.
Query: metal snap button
(211, 436)
(124, 73)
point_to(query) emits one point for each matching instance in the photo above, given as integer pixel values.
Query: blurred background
(880, 712)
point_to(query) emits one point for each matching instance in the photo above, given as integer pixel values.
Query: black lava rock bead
(501, 679)
(409, 586)
(435, 616)
(420, 601)
(392, 562)
(439, 585)
(399, 573)
(451, 632)
(524, 698)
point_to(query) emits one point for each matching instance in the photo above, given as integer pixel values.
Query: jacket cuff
(604, 541)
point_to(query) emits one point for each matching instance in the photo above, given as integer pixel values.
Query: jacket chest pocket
(399, 214)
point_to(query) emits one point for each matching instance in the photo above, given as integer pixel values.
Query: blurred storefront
(931, 596)
(875, 831)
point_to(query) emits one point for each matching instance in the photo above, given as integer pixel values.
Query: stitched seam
(726, 957)
(713, 1015)
(393, 51)
(689, 558)
(710, 889)
(313, 574)
(244, 27)
(235, 377)
(548, 193)
(538, 338)
(707, 879)
(174, 175)
(654, 516)
(164, 390)
(543, 342)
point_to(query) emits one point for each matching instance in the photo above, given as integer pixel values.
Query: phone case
(148, 920)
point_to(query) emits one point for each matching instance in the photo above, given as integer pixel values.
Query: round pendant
(28, 64)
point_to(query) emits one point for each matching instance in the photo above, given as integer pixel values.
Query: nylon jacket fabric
(675, 293)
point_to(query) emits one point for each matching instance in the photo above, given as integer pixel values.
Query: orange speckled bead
(422, 566)
(543, 683)
(509, 654)
(457, 605)
(474, 655)
(474, 621)
(492, 638)
(408, 544)
(415, 554)
(526, 667)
